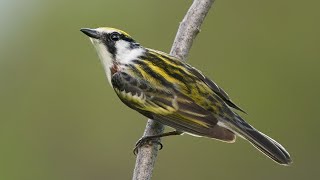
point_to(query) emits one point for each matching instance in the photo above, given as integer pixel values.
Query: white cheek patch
(123, 50)
(125, 54)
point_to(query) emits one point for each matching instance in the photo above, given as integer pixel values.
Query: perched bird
(167, 90)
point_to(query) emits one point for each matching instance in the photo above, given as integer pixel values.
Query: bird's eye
(114, 36)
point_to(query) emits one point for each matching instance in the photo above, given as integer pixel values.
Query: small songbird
(167, 90)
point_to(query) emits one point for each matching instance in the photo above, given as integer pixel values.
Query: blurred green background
(59, 119)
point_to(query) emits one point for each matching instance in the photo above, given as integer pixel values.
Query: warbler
(172, 92)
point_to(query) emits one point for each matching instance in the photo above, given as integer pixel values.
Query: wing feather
(171, 108)
(173, 105)
(215, 88)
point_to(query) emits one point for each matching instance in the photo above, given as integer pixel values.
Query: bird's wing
(215, 88)
(196, 79)
(169, 107)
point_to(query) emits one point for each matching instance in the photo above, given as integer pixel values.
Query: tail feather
(262, 142)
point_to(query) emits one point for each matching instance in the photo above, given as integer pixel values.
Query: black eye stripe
(127, 38)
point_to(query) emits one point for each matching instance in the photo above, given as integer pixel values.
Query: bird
(174, 93)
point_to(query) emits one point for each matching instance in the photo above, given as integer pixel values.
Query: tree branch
(188, 30)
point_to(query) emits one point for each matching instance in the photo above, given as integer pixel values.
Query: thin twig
(188, 30)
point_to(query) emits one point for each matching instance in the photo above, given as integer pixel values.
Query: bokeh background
(59, 119)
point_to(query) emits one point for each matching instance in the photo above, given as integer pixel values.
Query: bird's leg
(153, 139)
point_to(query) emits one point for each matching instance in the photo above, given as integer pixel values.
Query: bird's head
(113, 44)
(114, 47)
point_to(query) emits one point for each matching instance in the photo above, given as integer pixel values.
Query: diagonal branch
(188, 30)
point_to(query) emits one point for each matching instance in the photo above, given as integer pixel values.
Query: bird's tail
(262, 142)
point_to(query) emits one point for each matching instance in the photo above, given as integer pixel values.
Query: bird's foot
(146, 140)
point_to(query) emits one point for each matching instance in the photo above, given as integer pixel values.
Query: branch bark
(188, 30)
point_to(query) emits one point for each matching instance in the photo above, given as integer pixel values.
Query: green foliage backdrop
(59, 119)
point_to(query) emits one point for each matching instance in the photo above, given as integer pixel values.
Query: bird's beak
(91, 33)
